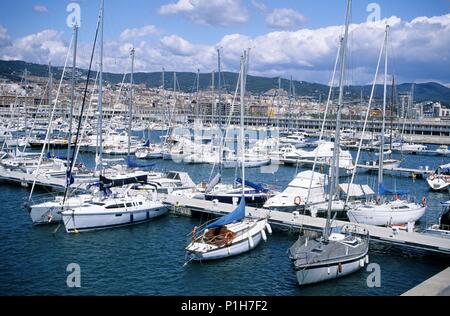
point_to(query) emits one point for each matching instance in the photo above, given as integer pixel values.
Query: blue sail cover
(257, 186)
(133, 164)
(236, 215)
(384, 191)
(147, 143)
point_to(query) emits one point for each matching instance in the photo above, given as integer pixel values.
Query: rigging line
(83, 131)
(67, 186)
(47, 137)
(34, 121)
(365, 122)
(324, 121)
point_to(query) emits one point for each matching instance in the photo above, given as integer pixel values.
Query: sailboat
(234, 233)
(382, 212)
(388, 162)
(255, 194)
(340, 251)
(124, 206)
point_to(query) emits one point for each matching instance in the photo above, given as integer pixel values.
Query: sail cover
(384, 191)
(236, 215)
(258, 187)
(109, 183)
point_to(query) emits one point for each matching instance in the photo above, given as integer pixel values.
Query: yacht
(440, 179)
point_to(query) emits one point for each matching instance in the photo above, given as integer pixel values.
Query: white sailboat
(383, 212)
(120, 208)
(234, 233)
(440, 179)
(344, 250)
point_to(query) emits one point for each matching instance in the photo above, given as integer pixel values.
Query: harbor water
(148, 259)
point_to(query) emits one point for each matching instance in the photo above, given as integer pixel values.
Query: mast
(334, 185)
(72, 97)
(219, 91)
(383, 126)
(242, 145)
(392, 113)
(50, 97)
(213, 109)
(197, 96)
(162, 75)
(130, 107)
(25, 102)
(100, 93)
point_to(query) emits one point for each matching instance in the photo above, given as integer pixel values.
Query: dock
(438, 285)
(421, 173)
(296, 223)
(43, 181)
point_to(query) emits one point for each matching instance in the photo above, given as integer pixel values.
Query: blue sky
(205, 24)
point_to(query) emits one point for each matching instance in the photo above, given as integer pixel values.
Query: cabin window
(129, 204)
(115, 206)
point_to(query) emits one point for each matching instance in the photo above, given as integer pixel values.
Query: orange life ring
(424, 201)
(228, 238)
(297, 200)
(431, 177)
(49, 216)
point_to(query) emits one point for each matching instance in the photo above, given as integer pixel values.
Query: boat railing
(40, 198)
(355, 229)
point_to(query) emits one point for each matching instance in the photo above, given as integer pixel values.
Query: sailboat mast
(383, 125)
(333, 187)
(130, 108)
(392, 113)
(242, 145)
(341, 97)
(72, 97)
(100, 93)
(219, 91)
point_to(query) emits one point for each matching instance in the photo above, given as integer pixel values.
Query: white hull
(233, 250)
(201, 252)
(325, 273)
(50, 212)
(384, 216)
(439, 183)
(248, 164)
(78, 221)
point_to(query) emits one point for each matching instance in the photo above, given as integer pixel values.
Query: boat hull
(232, 250)
(370, 216)
(78, 221)
(316, 274)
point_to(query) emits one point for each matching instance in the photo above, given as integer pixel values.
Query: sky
(296, 38)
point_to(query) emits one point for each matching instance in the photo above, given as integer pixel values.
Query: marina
(168, 183)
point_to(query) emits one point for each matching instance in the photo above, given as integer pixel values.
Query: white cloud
(42, 47)
(39, 8)
(259, 5)
(4, 37)
(418, 51)
(178, 46)
(284, 18)
(138, 32)
(208, 12)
